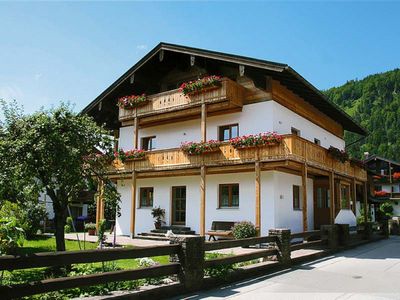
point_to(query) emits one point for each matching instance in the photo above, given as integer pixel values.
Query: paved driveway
(371, 271)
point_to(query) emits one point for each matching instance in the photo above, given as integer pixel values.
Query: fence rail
(52, 259)
(209, 246)
(190, 268)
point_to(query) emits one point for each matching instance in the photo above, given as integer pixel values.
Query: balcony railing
(292, 148)
(174, 100)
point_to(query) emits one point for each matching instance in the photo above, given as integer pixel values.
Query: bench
(220, 229)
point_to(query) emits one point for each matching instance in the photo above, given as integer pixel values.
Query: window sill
(145, 207)
(228, 208)
(297, 209)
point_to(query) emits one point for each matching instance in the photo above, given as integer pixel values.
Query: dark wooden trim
(45, 286)
(230, 196)
(48, 259)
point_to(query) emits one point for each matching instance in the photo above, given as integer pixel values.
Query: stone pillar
(385, 227)
(282, 244)
(330, 232)
(344, 234)
(191, 258)
(368, 227)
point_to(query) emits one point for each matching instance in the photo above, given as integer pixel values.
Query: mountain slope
(374, 102)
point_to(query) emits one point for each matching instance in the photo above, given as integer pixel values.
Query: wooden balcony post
(136, 133)
(354, 185)
(204, 122)
(304, 196)
(258, 192)
(202, 200)
(102, 203)
(99, 203)
(365, 203)
(133, 203)
(332, 195)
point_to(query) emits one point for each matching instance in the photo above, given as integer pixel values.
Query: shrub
(197, 86)
(193, 148)
(254, 140)
(219, 271)
(146, 262)
(386, 210)
(360, 218)
(101, 234)
(90, 226)
(29, 216)
(11, 235)
(244, 230)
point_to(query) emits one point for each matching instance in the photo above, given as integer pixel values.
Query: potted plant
(200, 85)
(90, 228)
(132, 101)
(135, 154)
(256, 140)
(158, 214)
(193, 148)
(338, 154)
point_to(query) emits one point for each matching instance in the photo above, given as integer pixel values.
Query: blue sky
(52, 52)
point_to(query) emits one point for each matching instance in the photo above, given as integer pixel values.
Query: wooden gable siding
(296, 104)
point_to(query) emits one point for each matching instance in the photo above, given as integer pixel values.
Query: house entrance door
(322, 203)
(178, 205)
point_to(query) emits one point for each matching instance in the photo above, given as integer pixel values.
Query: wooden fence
(189, 266)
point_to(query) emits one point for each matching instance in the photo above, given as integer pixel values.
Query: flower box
(381, 193)
(201, 85)
(193, 148)
(257, 140)
(132, 101)
(135, 154)
(338, 154)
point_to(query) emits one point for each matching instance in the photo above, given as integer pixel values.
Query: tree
(56, 151)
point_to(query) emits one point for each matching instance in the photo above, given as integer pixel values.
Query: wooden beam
(135, 133)
(133, 204)
(102, 203)
(332, 195)
(98, 206)
(258, 192)
(304, 196)
(354, 195)
(365, 202)
(204, 122)
(202, 200)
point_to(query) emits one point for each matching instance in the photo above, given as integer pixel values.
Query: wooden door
(322, 203)
(178, 205)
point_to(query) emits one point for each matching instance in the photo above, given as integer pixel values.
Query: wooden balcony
(293, 148)
(160, 106)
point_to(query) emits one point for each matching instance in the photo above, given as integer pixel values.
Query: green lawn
(46, 244)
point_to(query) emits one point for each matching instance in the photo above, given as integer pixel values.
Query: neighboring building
(290, 184)
(384, 182)
(78, 208)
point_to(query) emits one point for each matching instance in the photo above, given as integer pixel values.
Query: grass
(48, 244)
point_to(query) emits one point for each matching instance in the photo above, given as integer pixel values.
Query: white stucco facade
(276, 187)
(276, 201)
(254, 118)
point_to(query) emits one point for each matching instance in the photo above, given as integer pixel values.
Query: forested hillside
(374, 102)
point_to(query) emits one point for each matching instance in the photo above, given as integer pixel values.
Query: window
(295, 131)
(345, 196)
(296, 197)
(146, 196)
(228, 132)
(229, 195)
(148, 143)
(317, 142)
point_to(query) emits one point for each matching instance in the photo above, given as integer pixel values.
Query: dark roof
(282, 72)
(376, 157)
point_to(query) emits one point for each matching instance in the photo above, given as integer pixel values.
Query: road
(371, 271)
